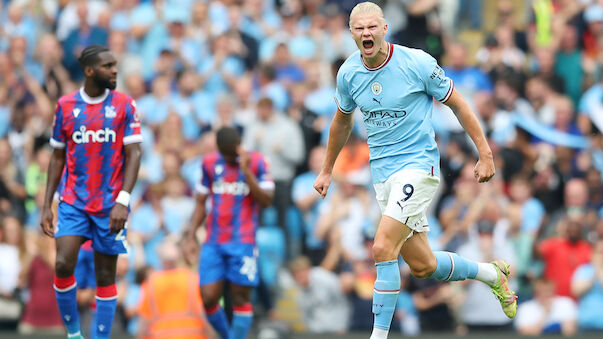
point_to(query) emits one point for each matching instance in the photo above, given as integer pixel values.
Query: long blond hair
(366, 7)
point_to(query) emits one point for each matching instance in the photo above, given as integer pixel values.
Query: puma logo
(377, 101)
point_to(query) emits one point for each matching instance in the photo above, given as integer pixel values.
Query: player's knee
(64, 266)
(383, 252)
(423, 269)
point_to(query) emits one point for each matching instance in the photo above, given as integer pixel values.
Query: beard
(103, 82)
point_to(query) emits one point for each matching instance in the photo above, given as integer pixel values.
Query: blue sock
(66, 290)
(92, 334)
(241, 321)
(217, 318)
(452, 267)
(385, 293)
(106, 301)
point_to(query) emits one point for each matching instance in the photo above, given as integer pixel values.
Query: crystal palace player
(96, 138)
(394, 88)
(238, 183)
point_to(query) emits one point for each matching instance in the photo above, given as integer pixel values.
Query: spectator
(480, 310)
(321, 299)
(170, 302)
(547, 313)
(41, 314)
(467, 80)
(563, 254)
(308, 202)
(281, 141)
(587, 287)
(81, 36)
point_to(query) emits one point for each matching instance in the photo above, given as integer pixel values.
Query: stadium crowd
(534, 76)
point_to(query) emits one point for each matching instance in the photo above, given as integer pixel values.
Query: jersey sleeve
(343, 98)
(58, 135)
(132, 131)
(263, 174)
(437, 84)
(205, 182)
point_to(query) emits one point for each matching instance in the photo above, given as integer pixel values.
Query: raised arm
(484, 169)
(340, 130)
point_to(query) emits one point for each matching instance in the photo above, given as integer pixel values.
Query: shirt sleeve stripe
(131, 139)
(267, 185)
(201, 189)
(447, 96)
(341, 109)
(56, 144)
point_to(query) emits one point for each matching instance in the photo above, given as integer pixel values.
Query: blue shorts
(84, 269)
(73, 221)
(236, 263)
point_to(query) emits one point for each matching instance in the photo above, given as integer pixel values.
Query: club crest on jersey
(110, 112)
(76, 112)
(376, 88)
(219, 169)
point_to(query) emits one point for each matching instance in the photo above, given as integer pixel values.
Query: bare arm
(55, 170)
(260, 195)
(133, 155)
(198, 214)
(340, 130)
(484, 169)
(119, 212)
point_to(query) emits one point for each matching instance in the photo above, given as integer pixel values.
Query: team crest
(110, 112)
(219, 169)
(376, 88)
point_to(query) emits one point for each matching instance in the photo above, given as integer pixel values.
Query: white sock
(379, 333)
(486, 273)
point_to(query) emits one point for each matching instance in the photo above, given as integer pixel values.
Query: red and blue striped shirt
(94, 132)
(233, 216)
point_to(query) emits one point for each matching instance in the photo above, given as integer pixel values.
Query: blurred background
(531, 70)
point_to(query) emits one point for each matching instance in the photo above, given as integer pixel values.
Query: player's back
(234, 215)
(396, 100)
(94, 132)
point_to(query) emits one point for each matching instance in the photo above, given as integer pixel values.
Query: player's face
(105, 71)
(229, 152)
(368, 30)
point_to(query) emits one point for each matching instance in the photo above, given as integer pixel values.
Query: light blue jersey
(396, 100)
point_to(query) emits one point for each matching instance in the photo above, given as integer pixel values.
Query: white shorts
(406, 195)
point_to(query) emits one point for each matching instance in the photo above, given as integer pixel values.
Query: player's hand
(46, 222)
(484, 169)
(190, 248)
(243, 158)
(118, 217)
(322, 183)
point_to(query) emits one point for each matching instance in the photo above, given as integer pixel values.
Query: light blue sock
(66, 291)
(241, 321)
(217, 318)
(452, 267)
(106, 302)
(385, 293)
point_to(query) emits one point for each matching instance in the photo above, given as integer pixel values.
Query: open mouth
(367, 44)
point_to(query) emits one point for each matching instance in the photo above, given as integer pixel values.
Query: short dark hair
(228, 138)
(89, 55)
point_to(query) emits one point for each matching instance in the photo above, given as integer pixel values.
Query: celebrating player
(238, 183)
(96, 138)
(394, 88)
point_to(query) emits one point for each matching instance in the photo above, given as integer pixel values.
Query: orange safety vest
(175, 306)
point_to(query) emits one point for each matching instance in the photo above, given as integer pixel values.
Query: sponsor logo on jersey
(233, 188)
(83, 136)
(76, 112)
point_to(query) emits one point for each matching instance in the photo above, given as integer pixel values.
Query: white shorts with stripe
(406, 195)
